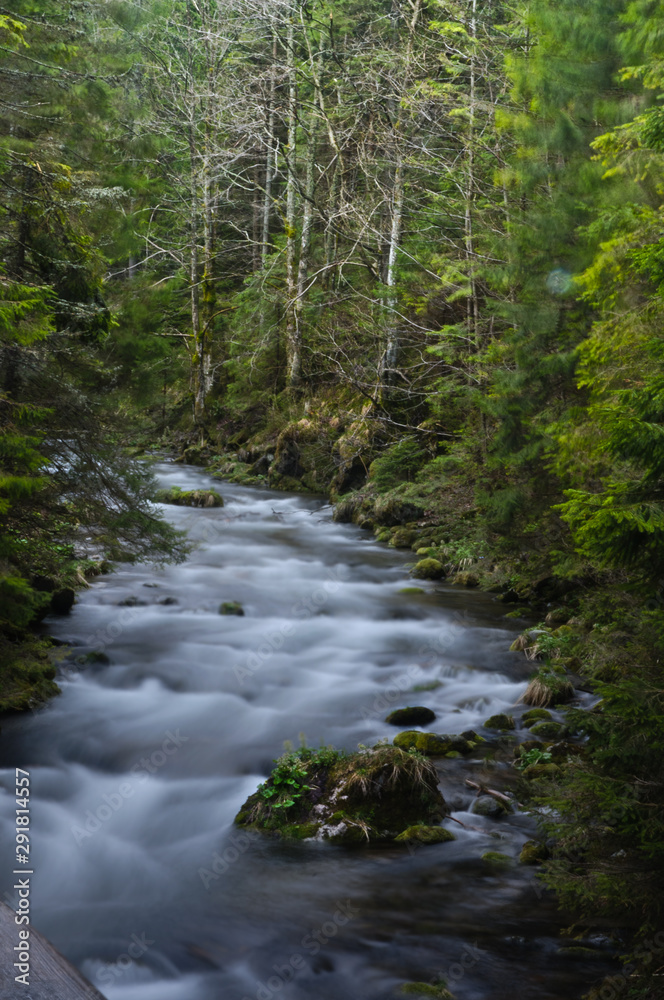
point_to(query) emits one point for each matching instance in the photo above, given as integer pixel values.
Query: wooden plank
(52, 977)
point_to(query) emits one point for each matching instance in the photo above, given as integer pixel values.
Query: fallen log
(51, 976)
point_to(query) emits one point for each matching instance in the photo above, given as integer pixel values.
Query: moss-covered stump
(411, 716)
(435, 744)
(189, 498)
(369, 796)
(428, 569)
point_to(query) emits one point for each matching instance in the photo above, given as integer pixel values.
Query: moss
(384, 790)
(412, 590)
(500, 721)
(231, 608)
(402, 538)
(497, 859)
(191, 498)
(425, 835)
(466, 579)
(533, 853)
(438, 992)
(432, 744)
(536, 771)
(548, 730)
(428, 569)
(27, 674)
(535, 715)
(411, 716)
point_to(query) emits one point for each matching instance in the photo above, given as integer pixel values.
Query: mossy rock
(428, 990)
(411, 716)
(547, 730)
(425, 835)
(190, 498)
(559, 616)
(533, 853)
(500, 721)
(402, 538)
(497, 860)
(537, 771)
(392, 511)
(486, 805)
(231, 608)
(412, 590)
(534, 715)
(384, 535)
(369, 796)
(428, 569)
(548, 689)
(466, 579)
(433, 744)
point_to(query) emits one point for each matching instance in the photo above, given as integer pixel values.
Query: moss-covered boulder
(428, 569)
(425, 835)
(466, 579)
(548, 730)
(369, 796)
(411, 716)
(402, 538)
(496, 859)
(539, 771)
(500, 721)
(486, 805)
(189, 498)
(535, 715)
(392, 511)
(231, 608)
(533, 853)
(550, 686)
(434, 744)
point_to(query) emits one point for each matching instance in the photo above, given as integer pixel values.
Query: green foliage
(288, 782)
(397, 465)
(533, 756)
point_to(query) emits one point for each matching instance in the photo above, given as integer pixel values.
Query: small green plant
(289, 779)
(533, 756)
(398, 464)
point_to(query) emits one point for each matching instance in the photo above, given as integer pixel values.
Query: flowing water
(139, 767)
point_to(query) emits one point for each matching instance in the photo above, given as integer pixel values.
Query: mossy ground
(27, 676)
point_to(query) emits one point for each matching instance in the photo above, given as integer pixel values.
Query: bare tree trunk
(271, 158)
(390, 355)
(473, 310)
(293, 342)
(308, 210)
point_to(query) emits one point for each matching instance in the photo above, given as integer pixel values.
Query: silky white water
(139, 767)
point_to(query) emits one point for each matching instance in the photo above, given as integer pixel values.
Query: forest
(406, 254)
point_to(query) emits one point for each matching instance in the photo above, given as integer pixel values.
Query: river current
(159, 736)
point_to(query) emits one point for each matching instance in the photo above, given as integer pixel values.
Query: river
(139, 767)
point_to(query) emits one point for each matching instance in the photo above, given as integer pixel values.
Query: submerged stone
(497, 859)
